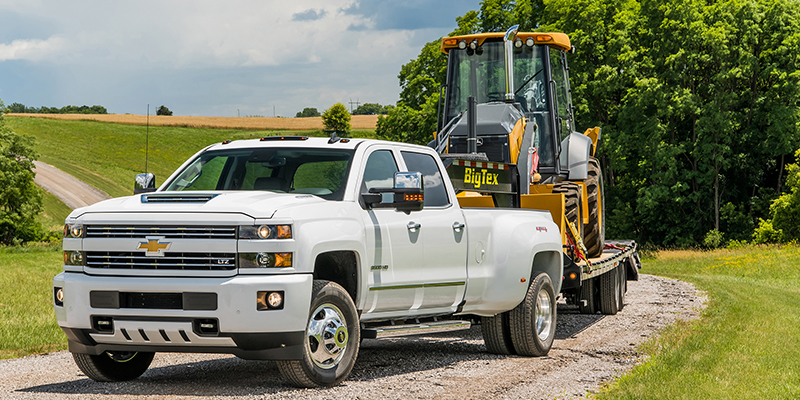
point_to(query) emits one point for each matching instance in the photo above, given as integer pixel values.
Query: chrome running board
(422, 328)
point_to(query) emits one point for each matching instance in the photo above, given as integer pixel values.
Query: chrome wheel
(327, 336)
(544, 315)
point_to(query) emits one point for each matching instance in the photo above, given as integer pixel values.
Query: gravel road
(589, 350)
(72, 191)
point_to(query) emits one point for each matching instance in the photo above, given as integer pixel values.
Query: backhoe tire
(533, 322)
(113, 366)
(496, 333)
(331, 344)
(572, 203)
(588, 295)
(595, 231)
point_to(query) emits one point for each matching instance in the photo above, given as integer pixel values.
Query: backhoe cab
(507, 100)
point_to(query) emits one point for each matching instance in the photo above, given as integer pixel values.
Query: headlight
(265, 260)
(265, 232)
(73, 231)
(73, 258)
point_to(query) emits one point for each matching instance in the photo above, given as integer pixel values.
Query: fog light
(272, 300)
(59, 296)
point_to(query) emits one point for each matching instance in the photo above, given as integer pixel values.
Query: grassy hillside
(746, 342)
(108, 155)
(27, 322)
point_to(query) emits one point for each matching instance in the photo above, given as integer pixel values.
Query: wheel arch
(340, 266)
(551, 263)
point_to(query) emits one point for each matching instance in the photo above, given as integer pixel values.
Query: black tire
(595, 231)
(572, 203)
(610, 292)
(588, 295)
(113, 366)
(496, 333)
(330, 362)
(533, 322)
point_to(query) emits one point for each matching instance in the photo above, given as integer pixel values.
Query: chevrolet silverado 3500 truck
(294, 249)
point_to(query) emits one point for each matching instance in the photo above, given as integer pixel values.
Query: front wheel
(533, 322)
(332, 339)
(113, 366)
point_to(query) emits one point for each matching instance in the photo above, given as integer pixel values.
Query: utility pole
(357, 103)
(273, 111)
(238, 114)
(147, 139)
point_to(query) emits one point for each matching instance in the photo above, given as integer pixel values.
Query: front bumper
(239, 328)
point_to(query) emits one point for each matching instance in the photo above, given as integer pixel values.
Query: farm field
(108, 155)
(745, 346)
(257, 123)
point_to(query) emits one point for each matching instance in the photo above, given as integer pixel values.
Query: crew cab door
(443, 233)
(394, 251)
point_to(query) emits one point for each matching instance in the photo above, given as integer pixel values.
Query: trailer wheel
(572, 203)
(113, 366)
(496, 333)
(610, 290)
(588, 295)
(533, 322)
(332, 339)
(595, 230)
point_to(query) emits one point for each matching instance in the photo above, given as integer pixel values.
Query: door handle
(412, 226)
(457, 226)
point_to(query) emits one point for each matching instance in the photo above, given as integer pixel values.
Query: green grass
(27, 321)
(54, 212)
(108, 155)
(746, 343)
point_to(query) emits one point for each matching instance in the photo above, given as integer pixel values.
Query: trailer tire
(113, 366)
(496, 333)
(572, 203)
(322, 363)
(533, 322)
(610, 292)
(623, 285)
(588, 295)
(595, 230)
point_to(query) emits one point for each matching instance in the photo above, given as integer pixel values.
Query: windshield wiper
(528, 80)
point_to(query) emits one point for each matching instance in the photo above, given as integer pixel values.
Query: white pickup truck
(295, 249)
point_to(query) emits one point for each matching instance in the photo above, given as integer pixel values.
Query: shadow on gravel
(377, 358)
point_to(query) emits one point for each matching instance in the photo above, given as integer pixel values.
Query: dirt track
(73, 192)
(589, 350)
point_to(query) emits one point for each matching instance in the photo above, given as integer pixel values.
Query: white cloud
(33, 49)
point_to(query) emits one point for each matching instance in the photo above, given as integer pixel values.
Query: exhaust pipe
(508, 43)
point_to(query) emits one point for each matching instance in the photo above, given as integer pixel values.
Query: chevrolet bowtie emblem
(154, 247)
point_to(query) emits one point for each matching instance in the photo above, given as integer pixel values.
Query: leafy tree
(307, 112)
(336, 118)
(20, 198)
(370, 109)
(405, 124)
(163, 110)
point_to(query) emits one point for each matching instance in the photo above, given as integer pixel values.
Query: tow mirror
(144, 183)
(408, 193)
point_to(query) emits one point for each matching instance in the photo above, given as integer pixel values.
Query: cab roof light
(543, 38)
(226, 141)
(279, 138)
(462, 44)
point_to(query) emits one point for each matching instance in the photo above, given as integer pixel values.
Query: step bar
(422, 328)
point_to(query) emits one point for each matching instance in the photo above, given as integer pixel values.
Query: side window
(379, 172)
(435, 192)
(563, 100)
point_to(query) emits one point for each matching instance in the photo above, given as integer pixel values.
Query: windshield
(320, 172)
(480, 73)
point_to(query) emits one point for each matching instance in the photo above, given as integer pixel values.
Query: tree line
(698, 102)
(363, 109)
(23, 109)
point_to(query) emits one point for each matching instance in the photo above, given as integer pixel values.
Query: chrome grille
(172, 232)
(170, 261)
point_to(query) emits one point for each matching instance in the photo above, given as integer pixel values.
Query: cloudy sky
(211, 58)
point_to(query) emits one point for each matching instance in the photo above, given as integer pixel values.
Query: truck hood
(255, 204)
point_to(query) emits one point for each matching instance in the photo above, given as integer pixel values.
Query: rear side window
(435, 192)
